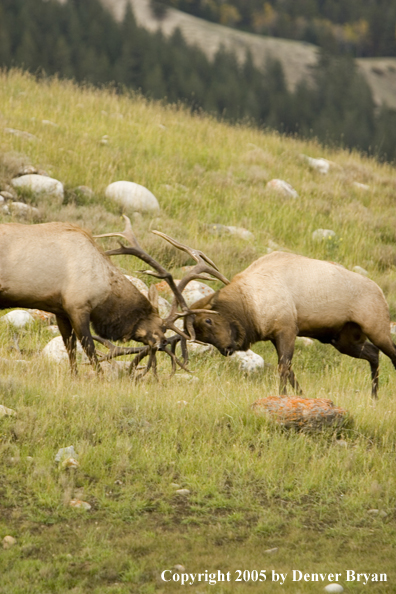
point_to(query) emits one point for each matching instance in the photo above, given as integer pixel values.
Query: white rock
(8, 542)
(22, 209)
(18, 318)
(248, 361)
(333, 588)
(321, 165)
(283, 187)
(305, 341)
(322, 234)
(39, 185)
(360, 270)
(56, 351)
(49, 123)
(85, 191)
(6, 195)
(198, 349)
(139, 284)
(6, 412)
(360, 186)
(77, 503)
(272, 551)
(183, 492)
(132, 196)
(196, 291)
(179, 568)
(65, 453)
(240, 232)
(20, 133)
(164, 307)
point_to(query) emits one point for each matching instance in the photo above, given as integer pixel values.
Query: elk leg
(284, 345)
(69, 339)
(83, 333)
(352, 341)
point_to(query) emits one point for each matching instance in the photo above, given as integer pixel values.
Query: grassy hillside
(253, 487)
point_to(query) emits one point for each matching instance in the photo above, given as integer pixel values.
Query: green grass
(253, 486)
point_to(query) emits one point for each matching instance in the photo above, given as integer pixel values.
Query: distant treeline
(81, 41)
(359, 27)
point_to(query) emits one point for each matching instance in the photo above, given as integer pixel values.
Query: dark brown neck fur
(120, 315)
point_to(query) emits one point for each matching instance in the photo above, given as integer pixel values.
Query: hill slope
(321, 503)
(297, 58)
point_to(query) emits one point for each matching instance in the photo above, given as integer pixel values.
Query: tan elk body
(282, 296)
(58, 267)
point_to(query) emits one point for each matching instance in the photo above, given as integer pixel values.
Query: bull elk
(281, 296)
(57, 267)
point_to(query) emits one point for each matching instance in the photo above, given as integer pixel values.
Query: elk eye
(208, 321)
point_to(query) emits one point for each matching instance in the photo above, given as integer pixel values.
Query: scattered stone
(360, 270)
(70, 463)
(18, 318)
(104, 139)
(8, 542)
(361, 186)
(65, 453)
(304, 341)
(248, 361)
(85, 191)
(341, 443)
(179, 568)
(195, 291)
(40, 185)
(49, 123)
(27, 170)
(321, 165)
(132, 196)
(323, 234)
(282, 187)
(162, 126)
(175, 486)
(56, 351)
(21, 134)
(78, 504)
(272, 551)
(241, 232)
(6, 195)
(182, 403)
(301, 413)
(333, 588)
(43, 316)
(118, 482)
(197, 348)
(183, 492)
(139, 284)
(6, 412)
(21, 209)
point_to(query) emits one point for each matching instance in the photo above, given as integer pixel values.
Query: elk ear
(153, 297)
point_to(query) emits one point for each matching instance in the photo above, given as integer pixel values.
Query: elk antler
(141, 353)
(205, 269)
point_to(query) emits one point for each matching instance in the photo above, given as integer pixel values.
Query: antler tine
(197, 255)
(116, 351)
(127, 234)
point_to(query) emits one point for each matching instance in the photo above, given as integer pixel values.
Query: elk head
(221, 329)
